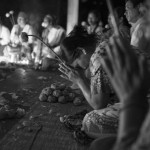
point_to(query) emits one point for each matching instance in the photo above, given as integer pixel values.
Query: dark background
(38, 8)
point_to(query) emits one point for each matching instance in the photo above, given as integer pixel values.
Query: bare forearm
(84, 85)
(96, 101)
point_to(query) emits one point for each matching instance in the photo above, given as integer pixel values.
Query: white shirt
(138, 38)
(55, 35)
(4, 35)
(54, 38)
(16, 32)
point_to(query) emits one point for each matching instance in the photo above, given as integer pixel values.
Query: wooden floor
(44, 132)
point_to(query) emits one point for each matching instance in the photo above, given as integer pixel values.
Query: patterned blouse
(99, 80)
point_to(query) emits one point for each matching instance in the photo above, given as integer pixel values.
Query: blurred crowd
(33, 52)
(111, 70)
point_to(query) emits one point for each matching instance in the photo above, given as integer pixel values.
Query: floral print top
(99, 80)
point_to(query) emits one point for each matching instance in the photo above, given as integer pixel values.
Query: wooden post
(72, 14)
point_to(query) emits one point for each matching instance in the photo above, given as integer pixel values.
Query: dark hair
(77, 38)
(96, 13)
(120, 11)
(51, 19)
(135, 2)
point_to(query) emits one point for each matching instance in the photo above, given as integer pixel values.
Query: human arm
(130, 79)
(96, 100)
(31, 32)
(14, 35)
(139, 39)
(5, 36)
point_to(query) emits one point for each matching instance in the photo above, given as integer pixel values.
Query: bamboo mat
(44, 132)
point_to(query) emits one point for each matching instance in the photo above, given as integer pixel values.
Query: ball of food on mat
(68, 89)
(78, 92)
(62, 87)
(52, 99)
(62, 99)
(20, 112)
(78, 101)
(43, 97)
(65, 93)
(57, 93)
(62, 119)
(47, 91)
(54, 86)
(72, 95)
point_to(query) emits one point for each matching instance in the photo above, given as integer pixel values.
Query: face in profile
(47, 22)
(21, 21)
(92, 19)
(131, 12)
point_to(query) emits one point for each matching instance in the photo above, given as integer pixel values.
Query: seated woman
(98, 92)
(93, 23)
(4, 37)
(51, 35)
(17, 48)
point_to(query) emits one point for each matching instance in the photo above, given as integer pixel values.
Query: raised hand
(128, 73)
(69, 73)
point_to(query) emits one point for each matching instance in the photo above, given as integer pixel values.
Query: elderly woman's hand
(128, 73)
(71, 74)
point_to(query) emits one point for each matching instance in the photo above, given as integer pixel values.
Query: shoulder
(142, 24)
(29, 27)
(124, 28)
(54, 29)
(15, 27)
(5, 29)
(98, 30)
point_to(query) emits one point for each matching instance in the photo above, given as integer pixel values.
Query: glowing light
(11, 12)
(7, 15)
(8, 60)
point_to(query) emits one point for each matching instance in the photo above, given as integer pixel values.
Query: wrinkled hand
(69, 73)
(128, 73)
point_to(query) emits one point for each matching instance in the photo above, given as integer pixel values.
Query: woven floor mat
(42, 130)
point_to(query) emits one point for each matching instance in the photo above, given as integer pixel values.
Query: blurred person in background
(135, 16)
(84, 24)
(17, 48)
(52, 35)
(93, 21)
(4, 37)
(123, 29)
